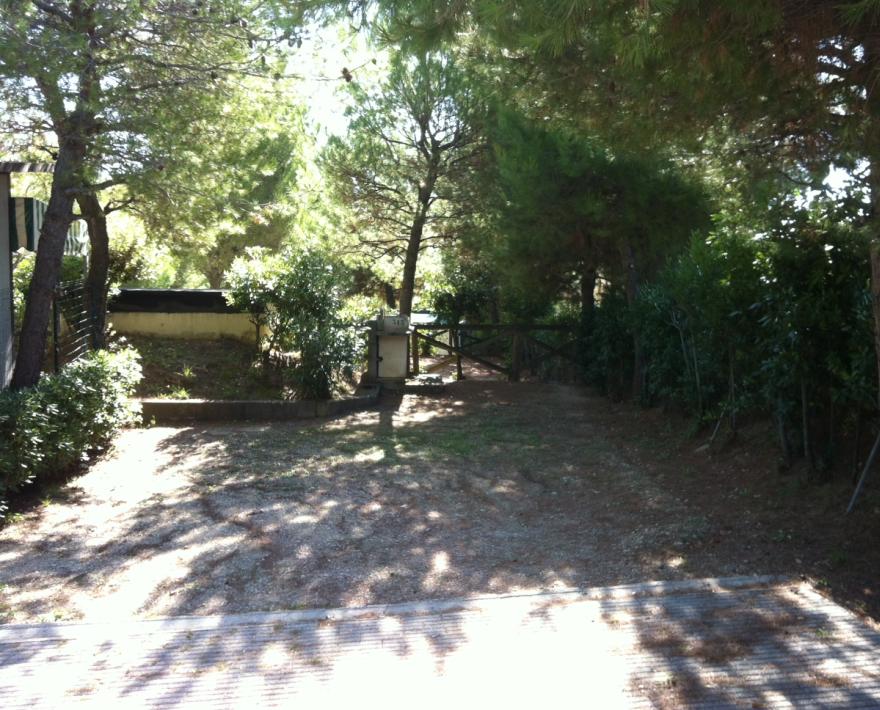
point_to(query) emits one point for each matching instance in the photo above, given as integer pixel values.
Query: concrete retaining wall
(164, 411)
(185, 325)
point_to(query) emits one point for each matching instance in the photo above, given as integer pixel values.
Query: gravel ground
(489, 488)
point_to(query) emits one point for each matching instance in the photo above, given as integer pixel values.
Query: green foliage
(23, 270)
(608, 357)
(571, 207)
(151, 72)
(297, 299)
(128, 264)
(772, 312)
(404, 171)
(48, 428)
(252, 280)
(233, 185)
(777, 321)
(469, 292)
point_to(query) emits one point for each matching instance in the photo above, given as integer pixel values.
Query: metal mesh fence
(72, 327)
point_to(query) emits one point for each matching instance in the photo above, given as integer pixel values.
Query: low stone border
(163, 411)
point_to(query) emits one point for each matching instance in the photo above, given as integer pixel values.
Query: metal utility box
(388, 349)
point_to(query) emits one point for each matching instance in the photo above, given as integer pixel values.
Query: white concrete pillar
(6, 325)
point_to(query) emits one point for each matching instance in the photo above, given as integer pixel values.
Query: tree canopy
(571, 208)
(106, 74)
(655, 172)
(403, 168)
(230, 185)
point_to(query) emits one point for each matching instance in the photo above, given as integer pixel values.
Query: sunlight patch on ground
(374, 454)
(440, 562)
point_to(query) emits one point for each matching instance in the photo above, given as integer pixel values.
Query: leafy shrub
(297, 297)
(469, 292)
(22, 272)
(609, 345)
(48, 428)
(776, 321)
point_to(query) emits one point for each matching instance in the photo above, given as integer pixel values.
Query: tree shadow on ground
(488, 489)
(760, 647)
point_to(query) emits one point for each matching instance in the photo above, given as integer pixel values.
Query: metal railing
(73, 327)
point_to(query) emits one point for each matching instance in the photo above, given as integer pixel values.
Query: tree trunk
(408, 284)
(390, 301)
(588, 296)
(494, 310)
(588, 305)
(47, 268)
(632, 292)
(99, 264)
(214, 275)
(872, 150)
(875, 284)
(414, 243)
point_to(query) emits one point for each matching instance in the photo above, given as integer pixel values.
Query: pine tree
(410, 149)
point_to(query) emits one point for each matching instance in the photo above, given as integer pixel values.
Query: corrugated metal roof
(18, 167)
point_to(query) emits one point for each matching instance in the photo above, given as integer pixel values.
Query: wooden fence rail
(464, 338)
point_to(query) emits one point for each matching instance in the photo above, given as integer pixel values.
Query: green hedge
(48, 428)
(777, 323)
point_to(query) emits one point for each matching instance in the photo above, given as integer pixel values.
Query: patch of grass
(781, 536)
(690, 471)
(839, 557)
(201, 369)
(477, 438)
(695, 528)
(53, 493)
(176, 393)
(5, 609)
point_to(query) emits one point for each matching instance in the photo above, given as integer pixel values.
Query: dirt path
(490, 488)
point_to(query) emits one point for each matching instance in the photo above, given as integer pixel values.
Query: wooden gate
(472, 340)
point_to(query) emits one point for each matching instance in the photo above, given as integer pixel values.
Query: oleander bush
(47, 429)
(296, 299)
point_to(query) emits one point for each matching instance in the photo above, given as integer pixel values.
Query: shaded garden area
(718, 257)
(490, 488)
(682, 198)
(202, 369)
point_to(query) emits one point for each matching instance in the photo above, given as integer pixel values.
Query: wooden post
(515, 356)
(456, 341)
(864, 476)
(415, 353)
